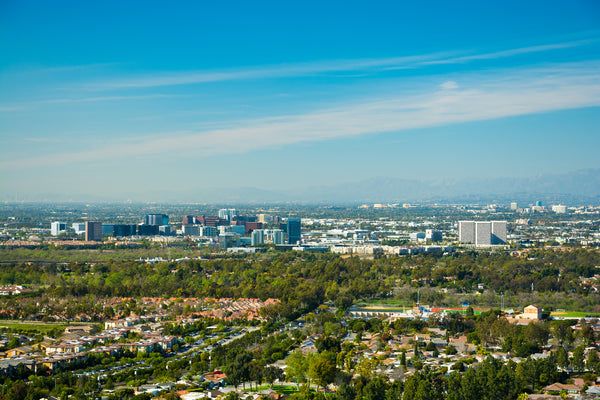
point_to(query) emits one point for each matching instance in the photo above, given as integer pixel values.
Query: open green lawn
(574, 314)
(33, 326)
(281, 389)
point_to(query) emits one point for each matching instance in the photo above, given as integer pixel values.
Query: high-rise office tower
(293, 230)
(93, 231)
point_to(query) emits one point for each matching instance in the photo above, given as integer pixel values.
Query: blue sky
(116, 99)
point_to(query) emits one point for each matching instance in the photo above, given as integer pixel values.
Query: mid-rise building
(251, 226)
(157, 219)
(229, 239)
(147, 230)
(513, 206)
(416, 236)
(239, 229)
(433, 236)
(498, 232)
(265, 218)
(121, 230)
(93, 231)
(559, 209)
(58, 227)
(191, 230)
(258, 237)
(78, 228)
(482, 233)
(108, 229)
(208, 231)
(166, 230)
(278, 236)
(466, 231)
(228, 213)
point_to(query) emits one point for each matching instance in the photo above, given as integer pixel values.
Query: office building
(258, 237)
(211, 221)
(278, 236)
(188, 220)
(265, 218)
(293, 230)
(559, 209)
(228, 213)
(108, 229)
(121, 230)
(252, 226)
(78, 228)
(433, 236)
(513, 206)
(57, 227)
(191, 230)
(147, 230)
(416, 236)
(239, 229)
(208, 231)
(482, 233)
(229, 239)
(157, 219)
(93, 231)
(466, 231)
(166, 230)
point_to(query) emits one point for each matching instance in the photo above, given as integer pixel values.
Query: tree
(297, 367)
(562, 358)
(323, 372)
(376, 389)
(578, 358)
(272, 373)
(563, 332)
(593, 362)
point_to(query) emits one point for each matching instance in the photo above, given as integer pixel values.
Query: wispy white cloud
(270, 72)
(512, 52)
(106, 98)
(449, 85)
(40, 140)
(362, 66)
(30, 104)
(471, 99)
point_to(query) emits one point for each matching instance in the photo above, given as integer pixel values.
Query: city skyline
(106, 100)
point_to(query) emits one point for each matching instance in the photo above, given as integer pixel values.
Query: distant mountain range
(578, 187)
(572, 188)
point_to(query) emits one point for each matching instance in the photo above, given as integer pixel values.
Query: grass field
(281, 389)
(32, 326)
(574, 314)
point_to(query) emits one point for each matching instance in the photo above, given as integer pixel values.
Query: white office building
(57, 227)
(78, 228)
(482, 233)
(559, 209)
(228, 213)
